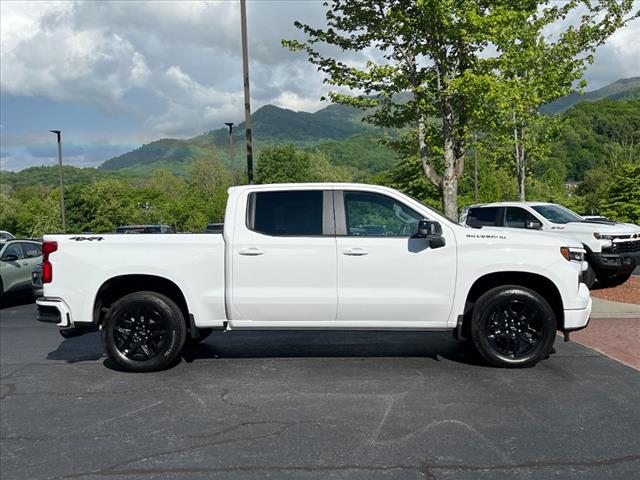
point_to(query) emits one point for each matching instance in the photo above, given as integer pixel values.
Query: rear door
(283, 259)
(385, 273)
(484, 217)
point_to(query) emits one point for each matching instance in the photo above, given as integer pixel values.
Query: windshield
(557, 214)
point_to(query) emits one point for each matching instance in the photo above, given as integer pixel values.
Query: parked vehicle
(145, 229)
(613, 249)
(36, 281)
(4, 236)
(305, 256)
(17, 260)
(214, 228)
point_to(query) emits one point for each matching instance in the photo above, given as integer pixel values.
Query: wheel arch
(117, 287)
(533, 281)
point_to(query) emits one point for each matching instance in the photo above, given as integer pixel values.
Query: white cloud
(176, 66)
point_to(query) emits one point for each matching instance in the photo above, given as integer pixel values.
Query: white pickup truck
(613, 248)
(317, 256)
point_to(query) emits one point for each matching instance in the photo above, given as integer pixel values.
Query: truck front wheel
(513, 326)
(143, 332)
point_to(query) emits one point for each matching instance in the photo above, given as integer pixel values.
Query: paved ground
(339, 405)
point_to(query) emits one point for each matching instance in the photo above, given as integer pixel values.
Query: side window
(517, 217)
(14, 249)
(374, 215)
(292, 213)
(32, 250)
(483, 217)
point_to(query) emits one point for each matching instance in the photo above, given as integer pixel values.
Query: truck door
(283, 259)
(386, 274)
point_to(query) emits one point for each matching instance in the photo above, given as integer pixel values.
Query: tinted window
(32, 250)
(375, 215)
(14, 249)
(297, 213)
(483, 217)
(518, 217)
(557, 214)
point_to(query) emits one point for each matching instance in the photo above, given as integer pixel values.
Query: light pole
(247, 104)
(230, 125)
(62, 211)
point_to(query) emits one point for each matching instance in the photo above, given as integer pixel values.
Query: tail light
(47, 269)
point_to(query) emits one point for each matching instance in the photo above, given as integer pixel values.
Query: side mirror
(9, 258)
(432, 231)
(533, 225)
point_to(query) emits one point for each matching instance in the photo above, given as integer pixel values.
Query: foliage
(441, 53)
(623, 200)
(286, 164)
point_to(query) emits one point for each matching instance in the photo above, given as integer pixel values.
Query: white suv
(613, 249)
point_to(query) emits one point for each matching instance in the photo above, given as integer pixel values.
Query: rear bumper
(53, 310)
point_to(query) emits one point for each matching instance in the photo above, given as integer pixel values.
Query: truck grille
(626, 247)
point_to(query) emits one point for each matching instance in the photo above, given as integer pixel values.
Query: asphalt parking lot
(311, 405)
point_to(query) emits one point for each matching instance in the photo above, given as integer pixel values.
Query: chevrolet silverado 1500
(317, 256)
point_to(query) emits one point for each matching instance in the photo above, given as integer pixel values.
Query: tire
(589, 276)
(144, 332)
(512, 326)
(203, 333)
(611, 281)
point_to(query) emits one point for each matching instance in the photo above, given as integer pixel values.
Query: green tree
(438, 51)
(283, 164)
(623, 202)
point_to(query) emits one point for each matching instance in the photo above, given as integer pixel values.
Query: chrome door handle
(251, 252)
(355, 252)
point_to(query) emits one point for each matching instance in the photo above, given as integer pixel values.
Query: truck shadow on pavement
(291, 344)
(317, 343)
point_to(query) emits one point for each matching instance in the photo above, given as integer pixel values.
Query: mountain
(623, 89)
(270, 124)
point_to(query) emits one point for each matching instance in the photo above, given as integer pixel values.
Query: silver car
(18, 258)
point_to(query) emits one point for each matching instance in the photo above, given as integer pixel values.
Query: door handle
(355, 252)
(25, 263)
(251, 252)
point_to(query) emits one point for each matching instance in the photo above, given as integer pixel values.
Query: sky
(114, 75)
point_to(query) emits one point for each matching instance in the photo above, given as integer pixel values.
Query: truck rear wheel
(143, 332)
(513, 326)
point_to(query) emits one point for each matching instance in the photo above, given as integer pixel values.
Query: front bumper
(614, 263)
(578, 318)
(54, 310)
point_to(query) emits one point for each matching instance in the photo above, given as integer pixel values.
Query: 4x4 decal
(91, 239)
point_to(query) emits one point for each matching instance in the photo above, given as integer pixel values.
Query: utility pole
(247, 104)
(475, 166)
(62, 211)
(230, 125)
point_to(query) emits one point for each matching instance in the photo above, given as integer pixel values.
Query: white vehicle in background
(317, 256)
(4, 236)
(613, 248)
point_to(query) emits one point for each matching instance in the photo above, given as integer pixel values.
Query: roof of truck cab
(324, 185)
(510, 204)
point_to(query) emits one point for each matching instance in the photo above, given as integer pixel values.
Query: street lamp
(230, 125)
(62, 211)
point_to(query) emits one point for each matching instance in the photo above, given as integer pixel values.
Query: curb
(609, 309)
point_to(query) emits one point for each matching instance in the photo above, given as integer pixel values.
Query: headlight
(599, 236)
(573, 254)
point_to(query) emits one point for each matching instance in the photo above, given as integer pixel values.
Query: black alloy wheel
(140, 333)
(143, 332)
(514, 329)
(513, 326)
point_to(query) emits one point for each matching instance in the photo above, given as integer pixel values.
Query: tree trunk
(518, 136)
